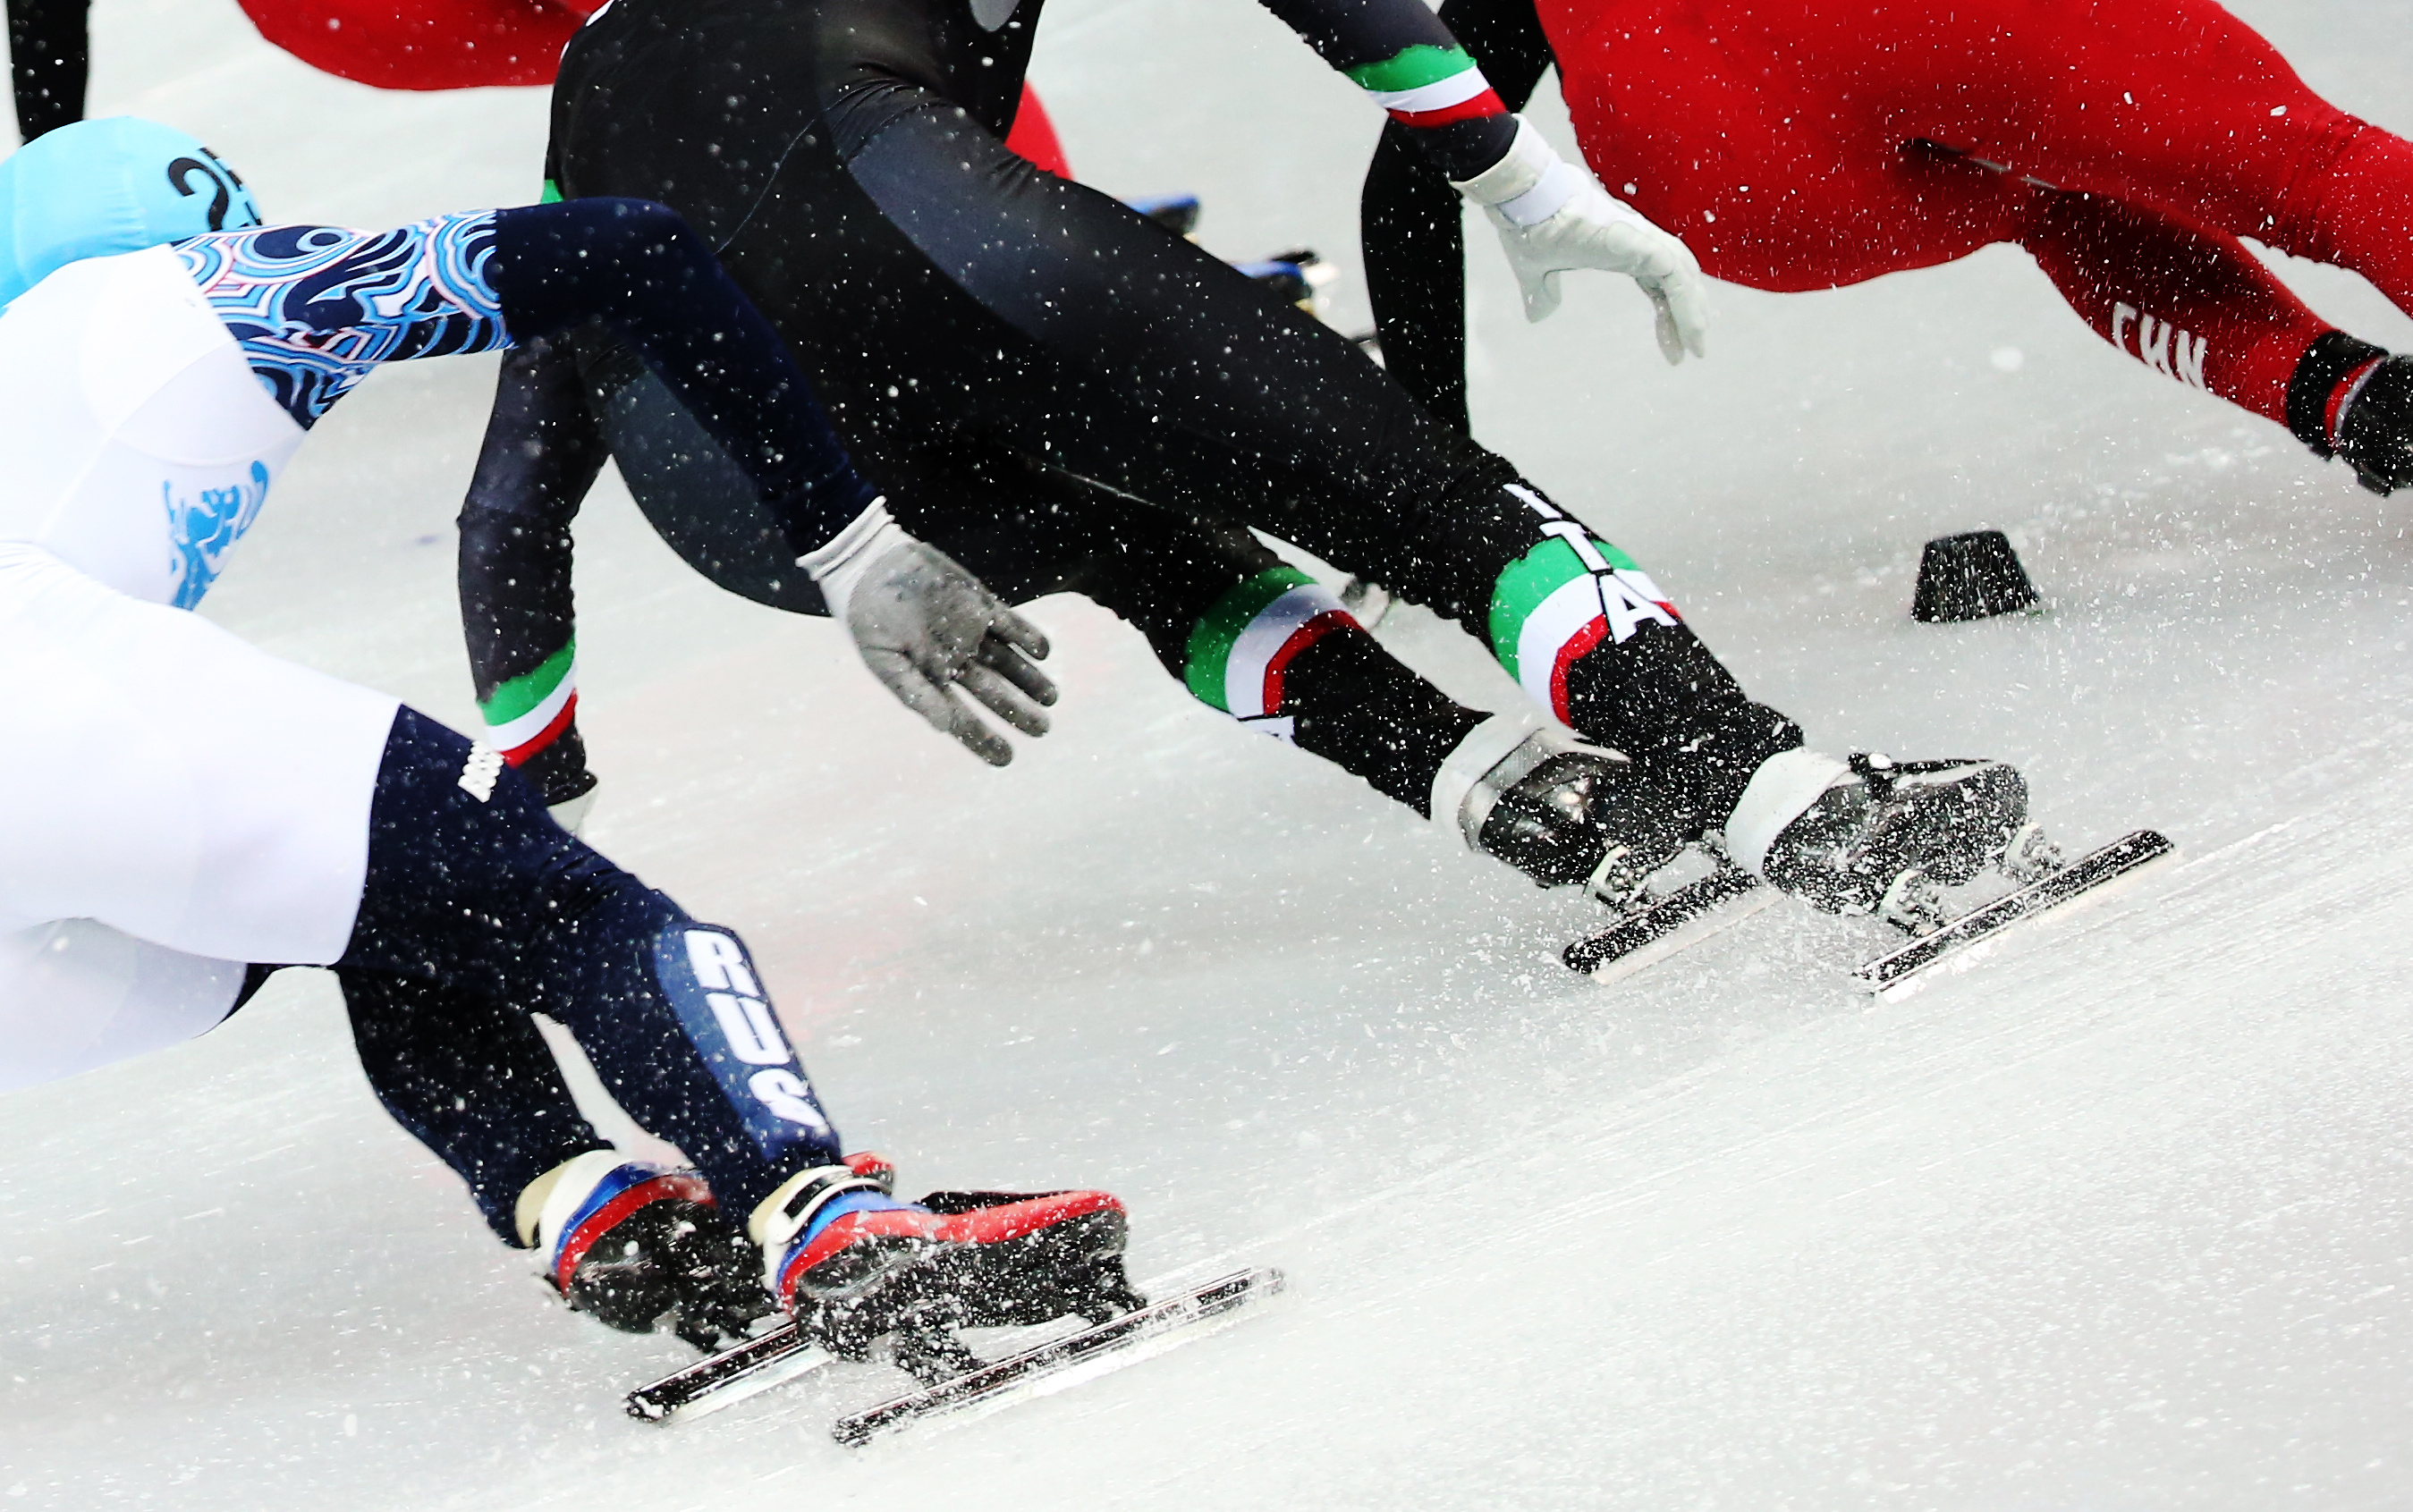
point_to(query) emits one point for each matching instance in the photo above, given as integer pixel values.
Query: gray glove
(927, 628)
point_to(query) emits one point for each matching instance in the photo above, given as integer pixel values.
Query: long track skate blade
(1181, 1311)
(1691, 914)
(2085, 877)
(732, 1376)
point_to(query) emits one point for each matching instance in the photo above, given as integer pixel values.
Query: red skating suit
(466, 44)
(2128, 146)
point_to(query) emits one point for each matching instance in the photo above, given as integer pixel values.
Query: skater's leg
(2197, 306)
(2172, 103)
(2193, 306)
(2358, 214)
(1160, 371)
(76, 996)
(1244, 632)
(471, 1080)
(471, 885)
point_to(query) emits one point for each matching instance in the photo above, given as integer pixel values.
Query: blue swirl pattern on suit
(316, 307)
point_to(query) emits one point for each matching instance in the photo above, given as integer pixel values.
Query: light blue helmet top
(99, 187)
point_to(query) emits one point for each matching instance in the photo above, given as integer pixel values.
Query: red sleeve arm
(422, 44)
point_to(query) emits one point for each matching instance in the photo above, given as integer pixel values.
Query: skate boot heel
(1107, 1291)
(2030, 856)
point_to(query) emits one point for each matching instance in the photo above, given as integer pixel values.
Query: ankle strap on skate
(788, 1211)
(1785, 785)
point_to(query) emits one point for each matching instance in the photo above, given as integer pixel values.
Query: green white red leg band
(528, 713)
(1785, 785)
(1241, 651)
(1562, 598)
(1430, 86)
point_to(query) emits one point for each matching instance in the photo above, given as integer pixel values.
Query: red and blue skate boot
(852, 1264)
(642, 1247)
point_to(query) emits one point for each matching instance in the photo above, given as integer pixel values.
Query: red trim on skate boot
(603, 1217)
(2334, 414)
(910, 1230)
(873, 1168)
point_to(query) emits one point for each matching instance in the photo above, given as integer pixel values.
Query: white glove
(1551, 216)
(927, 628)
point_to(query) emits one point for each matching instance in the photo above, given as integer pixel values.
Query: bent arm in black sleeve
(541, 453)
(637, 268)
(1410, 224)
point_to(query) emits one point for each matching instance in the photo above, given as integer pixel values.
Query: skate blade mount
(1181, 1310)
(786, 1352)
(2086, 876)
(1684, 917)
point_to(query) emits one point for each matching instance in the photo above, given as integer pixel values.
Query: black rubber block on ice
(1970, 576)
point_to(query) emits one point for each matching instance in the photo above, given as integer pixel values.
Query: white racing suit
(173, 804)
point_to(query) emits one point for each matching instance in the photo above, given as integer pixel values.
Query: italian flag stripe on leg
(1551, 607)
(1245, 644)
(1290, 624)
(526, 713)
(1561, 628)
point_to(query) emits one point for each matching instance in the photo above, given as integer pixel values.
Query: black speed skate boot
(2350, 399)
(852, 1264)
(1879, 836)
(1562, 811)
(2376, 433)
(642, 1247)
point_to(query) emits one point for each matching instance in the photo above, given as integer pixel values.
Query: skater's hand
(929, 629)
(1553, 217)
(1593, 230)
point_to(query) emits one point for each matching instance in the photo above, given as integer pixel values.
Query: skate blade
(1965, 941)
(1052, 1366)
(1684, 918)
(730, 1376)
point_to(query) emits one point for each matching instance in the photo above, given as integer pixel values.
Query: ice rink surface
(2119, 1220)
